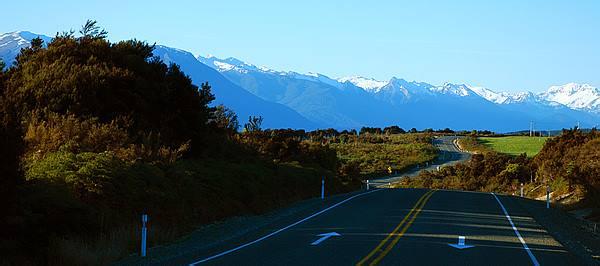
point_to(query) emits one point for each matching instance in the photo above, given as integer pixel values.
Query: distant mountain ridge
(242, 102)
(296, 100)
(471, 107)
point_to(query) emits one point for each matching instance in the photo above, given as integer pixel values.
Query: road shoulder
(235, 230)
(567, 230)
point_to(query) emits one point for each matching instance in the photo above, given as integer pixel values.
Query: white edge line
(533, 259)
(280, 230)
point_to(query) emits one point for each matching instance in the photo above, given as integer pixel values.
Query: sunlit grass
(515, 145)
(398, 152)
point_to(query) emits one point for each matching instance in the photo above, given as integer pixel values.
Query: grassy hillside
(374, 153)
(515, 145)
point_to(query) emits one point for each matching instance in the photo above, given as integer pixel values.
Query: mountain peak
(367, 84)
(575, 95)
(11, 44)
(453, 89)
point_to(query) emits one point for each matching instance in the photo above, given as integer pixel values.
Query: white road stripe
(280, 230)
(533, 259)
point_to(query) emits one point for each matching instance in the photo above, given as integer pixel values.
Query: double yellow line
(392, 238)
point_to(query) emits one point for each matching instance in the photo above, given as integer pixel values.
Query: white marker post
(323, 188)
(521, 190)
(144, 234)
(367, 184)
(547, 197)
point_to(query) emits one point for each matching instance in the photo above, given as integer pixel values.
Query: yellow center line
(398, 232)
(399, 235)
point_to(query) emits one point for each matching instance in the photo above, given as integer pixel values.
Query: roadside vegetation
(94, 134)
(568, 163)
(378, 155)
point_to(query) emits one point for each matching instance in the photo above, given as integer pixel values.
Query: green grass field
(515, 145)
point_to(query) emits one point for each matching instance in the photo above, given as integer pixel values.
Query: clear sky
(508, 45)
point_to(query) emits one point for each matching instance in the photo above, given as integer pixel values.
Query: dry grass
(107, 248)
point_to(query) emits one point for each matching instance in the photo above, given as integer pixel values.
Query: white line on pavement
(280, 230)
(533, 259)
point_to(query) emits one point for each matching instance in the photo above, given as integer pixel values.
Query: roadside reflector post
(367, 184)
(521, 190)
(547, 197)
(322, 187)
(144, 234)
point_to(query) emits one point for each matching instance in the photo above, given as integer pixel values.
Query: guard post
(323, 188)
(144, 234)
(547, 197)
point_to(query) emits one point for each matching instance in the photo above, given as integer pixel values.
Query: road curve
(449, 154)
(397, 227)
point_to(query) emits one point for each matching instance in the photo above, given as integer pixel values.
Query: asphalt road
(449, 154)
(398, 227)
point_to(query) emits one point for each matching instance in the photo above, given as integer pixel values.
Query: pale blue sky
(508, 45)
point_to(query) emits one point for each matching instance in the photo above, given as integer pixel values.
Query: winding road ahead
(449, 154)
(384, 226)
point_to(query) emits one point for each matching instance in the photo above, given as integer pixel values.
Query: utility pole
(531, 128)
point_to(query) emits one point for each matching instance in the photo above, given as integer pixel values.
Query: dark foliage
(565, 162)
(94, 133)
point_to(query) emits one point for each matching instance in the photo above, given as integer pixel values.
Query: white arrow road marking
(281, 230)
(324, 237)
(461, 243)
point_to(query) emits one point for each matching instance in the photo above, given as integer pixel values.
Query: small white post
(323, 188)
(521, 190)
(389, 184)
(367, 184)
(547, 197)
(144, 234)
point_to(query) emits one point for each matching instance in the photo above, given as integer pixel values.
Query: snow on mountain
(576, 96)
(292, 99)
(233, 64)
(368, 84)
(453, 89)
(11, 44)
(490, 95)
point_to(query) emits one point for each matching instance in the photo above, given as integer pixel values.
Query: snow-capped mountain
(408, 103)
(296, 100)
(11, 44)
(242, 102)
(315, 96)
(577, 96)
(368, 84)
(229, 94)
(582, 97)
